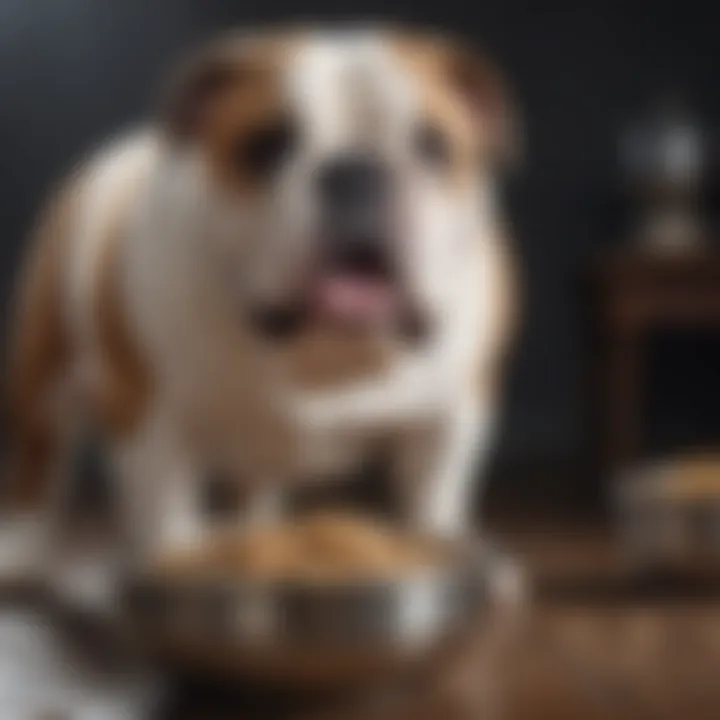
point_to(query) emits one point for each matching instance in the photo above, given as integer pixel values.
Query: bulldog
(300, 259)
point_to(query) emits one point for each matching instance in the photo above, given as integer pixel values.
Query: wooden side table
(642, 291)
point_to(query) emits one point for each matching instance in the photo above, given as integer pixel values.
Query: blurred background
(606, 462)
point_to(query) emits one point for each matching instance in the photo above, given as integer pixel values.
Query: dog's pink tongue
(354, 298)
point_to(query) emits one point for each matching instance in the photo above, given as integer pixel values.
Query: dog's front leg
(159, 491)
(438, 466)
(156, 489)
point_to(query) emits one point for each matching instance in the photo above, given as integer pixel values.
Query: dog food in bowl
(326, 547)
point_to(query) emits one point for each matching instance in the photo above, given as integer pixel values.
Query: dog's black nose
(353, 192)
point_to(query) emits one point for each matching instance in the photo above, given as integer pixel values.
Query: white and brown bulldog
(300, 259)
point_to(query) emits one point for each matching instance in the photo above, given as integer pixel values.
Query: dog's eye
(432, 145)
(261, 151)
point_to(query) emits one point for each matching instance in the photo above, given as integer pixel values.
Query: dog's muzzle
(356, 284)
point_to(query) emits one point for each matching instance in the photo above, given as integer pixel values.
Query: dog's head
(347, 167)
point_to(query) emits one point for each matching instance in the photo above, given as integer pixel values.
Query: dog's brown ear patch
(473, 82)
(229, 98)
(198, 83)
(484, 88)
(236, 62)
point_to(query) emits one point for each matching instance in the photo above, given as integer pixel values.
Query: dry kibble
(694, 478)
(327, 547)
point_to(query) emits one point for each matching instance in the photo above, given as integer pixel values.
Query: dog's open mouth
(351, 291)
(358, 287)
(355, 299)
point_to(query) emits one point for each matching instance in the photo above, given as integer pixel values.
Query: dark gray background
(72, 71)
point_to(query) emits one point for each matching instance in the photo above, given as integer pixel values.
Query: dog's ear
(485, 90)
(199, 82)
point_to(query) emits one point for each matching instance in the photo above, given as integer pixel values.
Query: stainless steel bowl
(660, 530)
(308, 634)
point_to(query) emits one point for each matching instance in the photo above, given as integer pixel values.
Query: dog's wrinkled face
(347, 168)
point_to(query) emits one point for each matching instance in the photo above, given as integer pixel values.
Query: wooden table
(641, 291)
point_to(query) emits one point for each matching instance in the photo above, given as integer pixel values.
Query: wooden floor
(599, 643)
(616, 663)
(586, 663)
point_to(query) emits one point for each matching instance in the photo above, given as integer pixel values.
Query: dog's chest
(251, 418)
(335, 450)
(262, 441)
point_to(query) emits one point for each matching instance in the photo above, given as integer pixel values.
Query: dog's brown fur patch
(120, 400)
(428, 61)
(251, 105)
(39, 353)
(232, 89)
(505, 312)
(45, 393)
(465, 94)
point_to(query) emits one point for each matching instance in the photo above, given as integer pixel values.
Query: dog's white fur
(220, 397)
